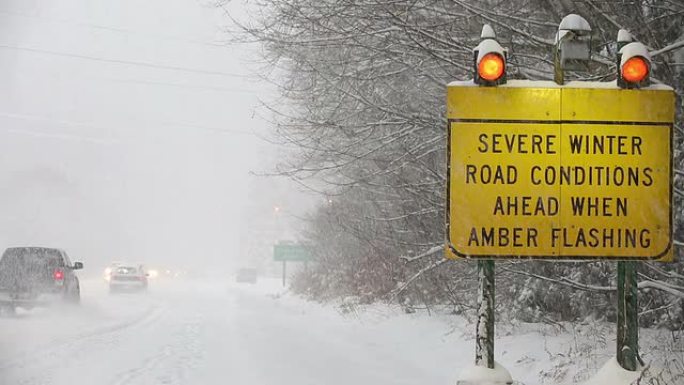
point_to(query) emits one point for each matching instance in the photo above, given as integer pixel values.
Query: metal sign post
(627, 316)
(284, 271)
(484, 337)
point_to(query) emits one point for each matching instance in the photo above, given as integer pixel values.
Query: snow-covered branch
(668, 48)
(430, 252)
(415, 276)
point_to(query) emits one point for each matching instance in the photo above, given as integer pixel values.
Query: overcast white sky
(125, 129)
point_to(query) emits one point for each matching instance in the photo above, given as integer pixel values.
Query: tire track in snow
(169, 366)
(94, 337)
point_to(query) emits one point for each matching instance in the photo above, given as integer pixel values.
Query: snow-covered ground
(192, 332)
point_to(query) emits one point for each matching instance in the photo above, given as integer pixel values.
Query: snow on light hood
(633, 49)
(488, 46)
(573, 22)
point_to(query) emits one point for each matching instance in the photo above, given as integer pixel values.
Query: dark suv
(36, 276)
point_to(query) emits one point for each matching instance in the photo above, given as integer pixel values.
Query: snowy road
(204, 333)
(190, 333)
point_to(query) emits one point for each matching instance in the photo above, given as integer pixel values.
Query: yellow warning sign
(581, 171)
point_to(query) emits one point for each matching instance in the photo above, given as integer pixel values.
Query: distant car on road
(37, 276)
(128, 277)
(246, 275)
(108, 271)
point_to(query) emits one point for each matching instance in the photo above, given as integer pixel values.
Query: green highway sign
(290, 253)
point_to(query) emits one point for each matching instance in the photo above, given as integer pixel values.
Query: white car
(108, 271)
(128, 277)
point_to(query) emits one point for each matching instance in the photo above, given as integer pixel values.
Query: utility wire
(62, 136)
(12, 115)
(112, 29)
(181, 85)
(120, 61)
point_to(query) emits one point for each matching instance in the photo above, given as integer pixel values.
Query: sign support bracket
(484, 336)
(627, 317)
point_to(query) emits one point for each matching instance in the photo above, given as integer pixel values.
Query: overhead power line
(187, 86)
(218, 130)
(108, 28)
(121, 61)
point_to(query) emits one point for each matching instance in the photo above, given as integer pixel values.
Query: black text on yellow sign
(541, 178)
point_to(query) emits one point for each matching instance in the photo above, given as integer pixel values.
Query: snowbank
(479, 375)
(613, 374)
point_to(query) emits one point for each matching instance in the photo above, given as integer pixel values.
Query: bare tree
(364, 84)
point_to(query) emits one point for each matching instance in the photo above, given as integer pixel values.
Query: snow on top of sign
(574, 22)
(633, 49)
(613, 84)
(624, 35)
(530, 84)
(515, 83)
(583, 84)
(482, 375)
(462, 83)
(549, 84)
(487, 32)
(613, 374)
(488, 46)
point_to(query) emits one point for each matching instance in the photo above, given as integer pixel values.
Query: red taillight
(58, 275)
